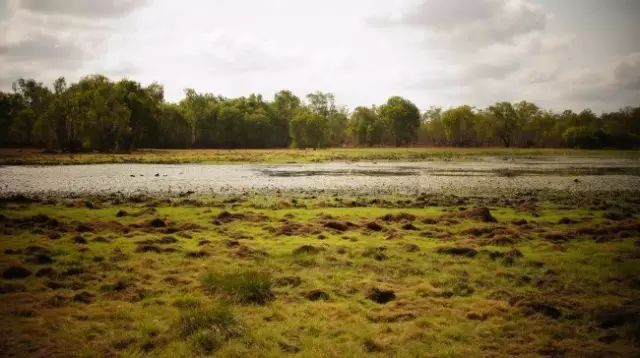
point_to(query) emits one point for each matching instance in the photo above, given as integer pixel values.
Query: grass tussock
(245, 287)
(208, 328)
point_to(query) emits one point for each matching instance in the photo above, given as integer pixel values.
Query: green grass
(212, 156)
(241, 287)
(248, 294)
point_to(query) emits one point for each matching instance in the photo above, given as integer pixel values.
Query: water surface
(488, 174)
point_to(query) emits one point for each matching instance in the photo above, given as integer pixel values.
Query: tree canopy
(98, 114)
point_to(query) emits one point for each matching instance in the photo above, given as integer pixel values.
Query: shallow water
(488, 174)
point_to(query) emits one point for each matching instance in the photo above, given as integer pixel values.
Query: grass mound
(208, 328)
(246, 287)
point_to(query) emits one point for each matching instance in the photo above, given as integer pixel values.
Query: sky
(569, 54)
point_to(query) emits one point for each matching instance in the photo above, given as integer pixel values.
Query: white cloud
(434, 52)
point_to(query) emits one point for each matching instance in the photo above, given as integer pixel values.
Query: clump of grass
(247, 287)
(218, 319)
(207, 328)
(206, 341)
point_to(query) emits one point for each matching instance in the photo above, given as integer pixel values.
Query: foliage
(97, 114)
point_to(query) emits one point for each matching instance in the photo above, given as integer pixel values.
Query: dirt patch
(157, 222)
(374, 226)
(616, 317)
(38, 259)
(54, 236)
(79, 240)
(46, 272)
(197, 254)
(380, 295)
(458, 251)
(398, 217)
(411, 247)
(84, 228)
(480, 213)
(15, 272)
(12, 288)
(142, 248)
(293, 281)
(371, 346)
(83, 297)
(307, 249)
(291, 229)
(544, 309)
(336, 225)
(557, 236)
(317, 295)
(226, 217)
(409, 227)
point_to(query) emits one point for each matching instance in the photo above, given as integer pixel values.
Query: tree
(431, 128)
(367, 126)
(505, 120)
(459, 125)
(143, 103)
(198, 108)
(35, 97)
(105, 117)
(284, 106)
(173, 128)
(96, 113)
(403, 118)
(10, 105)
(308, 129)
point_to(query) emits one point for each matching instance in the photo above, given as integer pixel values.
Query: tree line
(97, 114)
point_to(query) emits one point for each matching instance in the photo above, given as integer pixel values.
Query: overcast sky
(558, 54)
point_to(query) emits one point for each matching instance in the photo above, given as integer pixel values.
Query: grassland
(211, 156)
(534, 274)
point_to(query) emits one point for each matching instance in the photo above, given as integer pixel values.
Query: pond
(478, 176)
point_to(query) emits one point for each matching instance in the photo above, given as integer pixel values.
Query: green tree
(11, 104)
(431, 128)
(403, 118)
(35, 97)
(505, 122)
(284, 107)
(459, 125)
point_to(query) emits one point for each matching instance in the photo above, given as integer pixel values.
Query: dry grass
(564, 283)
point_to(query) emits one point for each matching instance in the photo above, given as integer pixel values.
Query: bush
(242, 287)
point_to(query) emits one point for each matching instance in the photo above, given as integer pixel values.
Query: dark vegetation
(96, 114)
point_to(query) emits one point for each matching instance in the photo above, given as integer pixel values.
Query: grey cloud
(627, 72)
(471, 24)
(41, 47)
(83, 8)
(491, 70)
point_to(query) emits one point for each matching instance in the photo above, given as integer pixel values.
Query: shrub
(242, 287)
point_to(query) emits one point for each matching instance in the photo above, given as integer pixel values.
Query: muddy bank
(491, 174)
